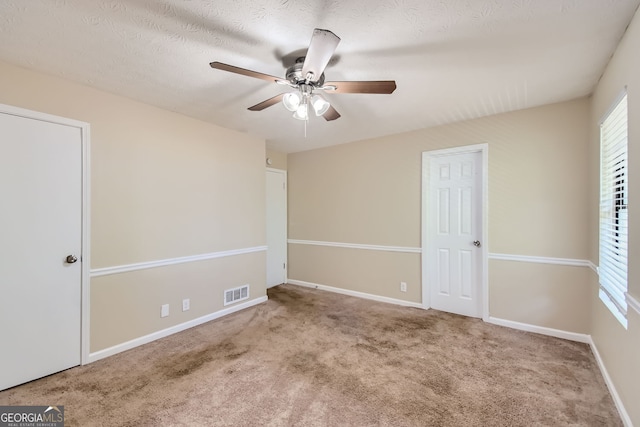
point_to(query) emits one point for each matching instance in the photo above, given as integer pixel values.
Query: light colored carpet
(311, 358)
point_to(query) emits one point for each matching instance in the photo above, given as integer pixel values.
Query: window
(614, 193)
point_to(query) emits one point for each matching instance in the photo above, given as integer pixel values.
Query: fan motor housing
(294, 75)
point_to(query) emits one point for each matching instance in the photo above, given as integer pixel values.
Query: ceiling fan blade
(379, 86)
(268, 103)
(323, 44)
(331, 114)
(244, 72)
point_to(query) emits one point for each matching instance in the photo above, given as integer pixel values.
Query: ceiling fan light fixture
(302, 113)
(291, 101)
(319, 104)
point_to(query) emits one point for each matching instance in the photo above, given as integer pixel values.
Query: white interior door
(454, 255)
(276, 227)
(40, 225)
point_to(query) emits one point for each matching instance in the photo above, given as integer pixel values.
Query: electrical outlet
(186, 304)
(164, 310)
(403, 286)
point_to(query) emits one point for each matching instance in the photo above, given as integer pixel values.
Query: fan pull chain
(306, 105)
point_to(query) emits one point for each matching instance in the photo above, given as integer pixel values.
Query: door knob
(71, 259)
(476, 243)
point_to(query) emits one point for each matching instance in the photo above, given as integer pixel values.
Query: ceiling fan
(307, 76)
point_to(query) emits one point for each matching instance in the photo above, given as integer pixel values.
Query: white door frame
(286, 231)
(483, 149)
(86, 190)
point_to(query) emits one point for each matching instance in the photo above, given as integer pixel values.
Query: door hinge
(284, 265)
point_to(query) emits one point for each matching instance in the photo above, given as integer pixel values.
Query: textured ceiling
(452, 59)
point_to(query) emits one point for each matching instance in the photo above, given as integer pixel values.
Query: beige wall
(278, 159)
(138, 295)
(368, 192)
(357, 270)
(162, 186)
(619, 347)
(554, 296)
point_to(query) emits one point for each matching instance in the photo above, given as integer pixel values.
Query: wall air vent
(236, 294)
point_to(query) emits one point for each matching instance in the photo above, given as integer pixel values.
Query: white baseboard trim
(543, 260)
(101, 354)
(626, 420)
(357, 246)
(354, 293)
(96, 272)
(558, 333)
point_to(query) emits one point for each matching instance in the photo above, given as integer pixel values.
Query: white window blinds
(614, 193)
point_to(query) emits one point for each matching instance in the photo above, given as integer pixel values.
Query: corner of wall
(276, 159)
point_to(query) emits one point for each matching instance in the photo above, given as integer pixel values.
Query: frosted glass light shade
(319, 104)
(301, 113)
(291, 101)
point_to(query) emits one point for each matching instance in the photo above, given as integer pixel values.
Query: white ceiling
(452, 59)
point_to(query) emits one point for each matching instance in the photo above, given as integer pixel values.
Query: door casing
(483, 149)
